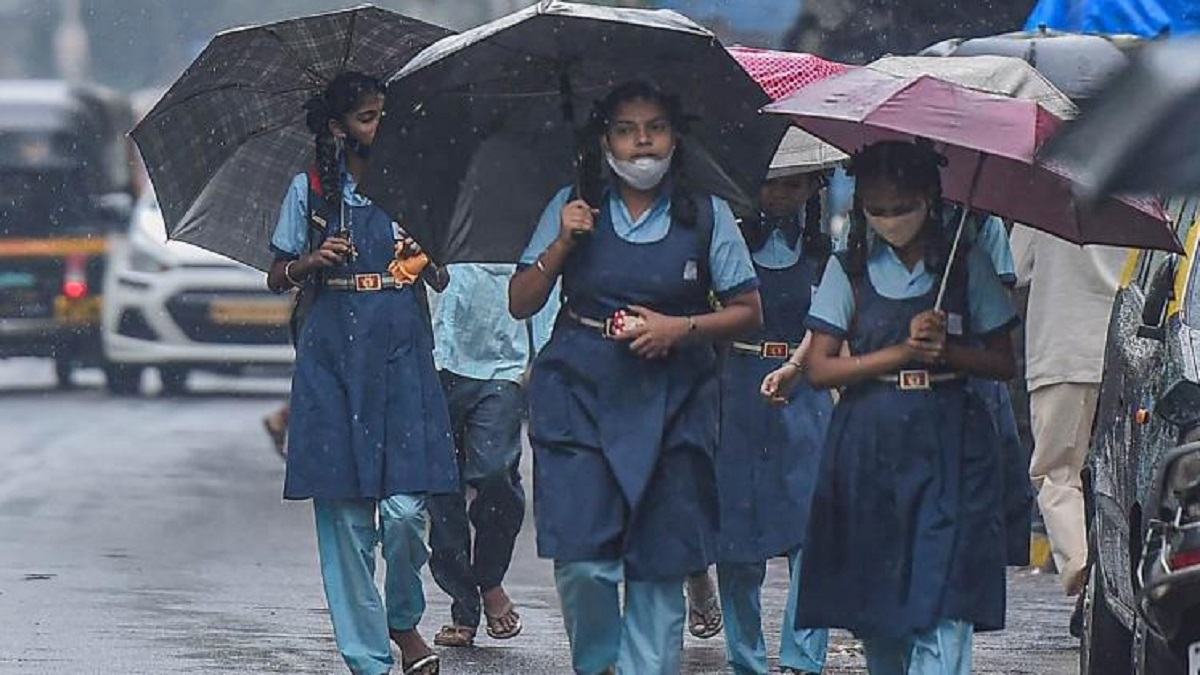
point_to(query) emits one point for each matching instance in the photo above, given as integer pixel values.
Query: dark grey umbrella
(1077, 64)
(1143, 133)
(226, 139)
(526, 82)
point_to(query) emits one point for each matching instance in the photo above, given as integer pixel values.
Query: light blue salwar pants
(740, 584)
(645, 639)
(944, 649)
(348, 532)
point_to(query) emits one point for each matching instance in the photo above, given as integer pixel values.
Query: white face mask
(643, 173)
(899, 231)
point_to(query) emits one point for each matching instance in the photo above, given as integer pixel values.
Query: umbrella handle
(958, 233)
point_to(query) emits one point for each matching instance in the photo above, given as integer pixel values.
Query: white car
(178, 308)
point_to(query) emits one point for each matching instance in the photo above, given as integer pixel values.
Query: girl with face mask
(369, 436)
(623, 399)
(905, 541)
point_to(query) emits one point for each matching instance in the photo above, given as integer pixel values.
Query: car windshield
(43, 203)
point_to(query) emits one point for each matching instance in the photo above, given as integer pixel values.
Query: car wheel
(174, 380)
(64, 368)
(1106, 645)
(122, 379)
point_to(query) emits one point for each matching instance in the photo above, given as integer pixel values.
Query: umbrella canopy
(1142, 134)
(780, 74)
(1000, 75)
(991, 144)
(224, 142)
(531, 78)
(1077, 64)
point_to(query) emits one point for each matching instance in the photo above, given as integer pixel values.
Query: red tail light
(75, 283)
(1184, 559)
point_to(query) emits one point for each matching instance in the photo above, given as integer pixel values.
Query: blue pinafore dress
(623, 446)
(369, 419)
(768, 456)
(906, 526)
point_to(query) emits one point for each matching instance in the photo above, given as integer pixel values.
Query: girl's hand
(778, 385)
(333, 252)
(650, 334)
(578, 219)
(927, 337)
(407, 247)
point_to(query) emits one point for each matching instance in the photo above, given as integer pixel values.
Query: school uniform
(369, 431)
(905, 543)
(624, 484)
(767, 460)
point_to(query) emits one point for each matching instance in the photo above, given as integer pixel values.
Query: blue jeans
(645, 639)
(347, 536)
(802, 649)
(944, 649)
(485, 416)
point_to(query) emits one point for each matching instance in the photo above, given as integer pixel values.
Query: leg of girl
(801, 650)
(652, 634)
(591, 610)
(402, 522)
(741, 602)
(346, 540)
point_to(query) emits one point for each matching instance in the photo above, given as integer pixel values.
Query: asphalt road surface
(147, 535)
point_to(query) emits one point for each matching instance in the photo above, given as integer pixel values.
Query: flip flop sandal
(704, 618)
(454, 635)
(496, 624)
(430, 665)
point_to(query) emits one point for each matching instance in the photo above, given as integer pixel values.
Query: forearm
(287, 274)
(530, 288)
(986, 363)
(436, 277)
(732, 321)
(827, 372)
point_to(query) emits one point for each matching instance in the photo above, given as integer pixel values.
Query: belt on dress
(362, 283)
(604, 327)
(765, 350)
(918, 380)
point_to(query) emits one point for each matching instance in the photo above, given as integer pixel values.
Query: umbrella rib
(349, 40)
(226, 87)
(300, 64)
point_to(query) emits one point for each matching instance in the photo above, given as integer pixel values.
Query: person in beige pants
(1071, 291)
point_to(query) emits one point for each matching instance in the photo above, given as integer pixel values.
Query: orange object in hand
(406, 270)
(1142, 416)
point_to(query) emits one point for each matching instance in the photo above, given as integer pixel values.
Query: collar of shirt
(350, 190)
(776, 254)
(892, 278)
(651, 226)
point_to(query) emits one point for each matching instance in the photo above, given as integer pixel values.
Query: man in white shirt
(1071, 291)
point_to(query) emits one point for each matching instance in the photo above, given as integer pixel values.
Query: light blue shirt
(474, 335)
(291, 230)
(833, 305)
(729, 259)
(775, 254)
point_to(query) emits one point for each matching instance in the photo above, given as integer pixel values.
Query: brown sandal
(506, 626)
(454, 635)
(430, 665)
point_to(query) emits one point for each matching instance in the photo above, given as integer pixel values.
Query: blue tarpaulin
(1147, 18)
(766, 18)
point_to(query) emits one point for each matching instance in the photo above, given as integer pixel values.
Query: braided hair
(909, 167)
(344, 94)
(683, 205)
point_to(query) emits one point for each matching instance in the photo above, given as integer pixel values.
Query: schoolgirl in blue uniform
(623, 421)
(369, 434)
(905, 543)
(769, 453)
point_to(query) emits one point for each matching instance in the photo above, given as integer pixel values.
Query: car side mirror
(115, 209)
(1158, 299)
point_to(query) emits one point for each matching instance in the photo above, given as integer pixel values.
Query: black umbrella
(1143, 133)
(1077, 64)
(225, 141)
(526, 82)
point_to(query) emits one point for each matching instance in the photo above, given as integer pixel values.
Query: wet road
(147, 535)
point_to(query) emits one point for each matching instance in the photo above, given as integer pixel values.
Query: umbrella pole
(958, 233)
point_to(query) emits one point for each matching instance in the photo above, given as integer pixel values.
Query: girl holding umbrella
(369, 436)
(905, 543)
(624, 397)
